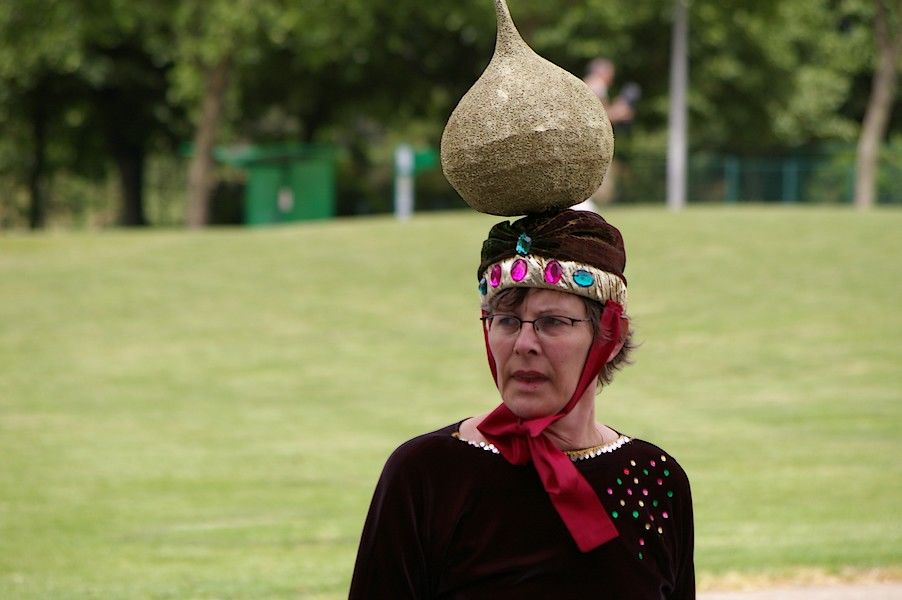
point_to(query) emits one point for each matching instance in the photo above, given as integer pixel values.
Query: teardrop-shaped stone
(528, 136)
(553, 272)
(495, 276)
(519, 270)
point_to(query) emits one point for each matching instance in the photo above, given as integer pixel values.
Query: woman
(536, 499)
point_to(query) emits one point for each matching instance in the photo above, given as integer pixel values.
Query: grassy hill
(204, 415)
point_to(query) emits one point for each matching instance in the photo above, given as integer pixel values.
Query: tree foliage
(86, 85)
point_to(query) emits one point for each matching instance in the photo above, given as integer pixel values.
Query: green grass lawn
(204, 415)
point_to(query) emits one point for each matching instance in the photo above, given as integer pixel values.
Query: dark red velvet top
(451, 520)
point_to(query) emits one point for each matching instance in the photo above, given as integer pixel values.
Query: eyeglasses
(549, 326)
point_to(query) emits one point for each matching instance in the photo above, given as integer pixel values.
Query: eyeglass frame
(487, 321)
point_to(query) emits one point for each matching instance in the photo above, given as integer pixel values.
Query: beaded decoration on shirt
(586, 453)
(489, 447)
(573, 455)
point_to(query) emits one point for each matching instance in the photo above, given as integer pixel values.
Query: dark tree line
(94, 86)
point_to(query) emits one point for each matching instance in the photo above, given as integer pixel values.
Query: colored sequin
(495, 276)
(645, 472)
(644, 492)
(660, 481)
(519, 270)
(653, 463)
(553, 272)
(670, 494)
(666, 472)
(619, 481)
(524, 243)
(654, 503)
(483, 286)
(665, 515)
(626, 471)
(635, 514)
(629, 491)
(583, 278)
(641, 542)
(640, 556)
(610, 492)
(615, 514)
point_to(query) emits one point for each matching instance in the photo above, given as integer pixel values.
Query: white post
(404, 191)
(676, 139)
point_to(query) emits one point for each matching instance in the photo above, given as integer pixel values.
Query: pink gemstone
(518, 270)
(626, 471)
(666, 516)
(610, 491)
(629, 491)
(641, 542)
(653, 463)
(651, 517)
(645, 492)
(660, 481)
(553, 272)
(495, 276)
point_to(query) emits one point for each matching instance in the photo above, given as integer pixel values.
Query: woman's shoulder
(647, 455)
(427, 449)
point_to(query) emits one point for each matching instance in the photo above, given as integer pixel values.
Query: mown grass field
(204, 415)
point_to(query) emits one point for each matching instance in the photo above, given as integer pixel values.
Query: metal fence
(815, 178)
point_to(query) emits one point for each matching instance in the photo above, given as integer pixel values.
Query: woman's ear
(624, 329)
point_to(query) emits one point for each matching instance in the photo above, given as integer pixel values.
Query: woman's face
(538, 372)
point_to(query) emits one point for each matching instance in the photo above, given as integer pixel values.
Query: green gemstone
(670, 494)
(654, 503)
(615, 514)
(666, 472)
(583, 278)
(524, 243)
(645, 471)
(635, 514)
(619, 481)
(640, 556)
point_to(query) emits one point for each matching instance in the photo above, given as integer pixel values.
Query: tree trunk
(200, 171)
(37, 212)
(876, 118)
(131, 180)
(679, 77)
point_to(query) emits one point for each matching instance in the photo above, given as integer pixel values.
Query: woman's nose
(527, 339)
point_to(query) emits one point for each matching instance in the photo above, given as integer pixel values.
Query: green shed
(285, 182)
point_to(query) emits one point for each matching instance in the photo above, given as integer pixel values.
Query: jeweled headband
(568, 251)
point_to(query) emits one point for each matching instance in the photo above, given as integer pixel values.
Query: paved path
(867, 591)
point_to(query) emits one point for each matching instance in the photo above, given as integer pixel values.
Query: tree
(888, 44)
(90, 79)
(39, 54)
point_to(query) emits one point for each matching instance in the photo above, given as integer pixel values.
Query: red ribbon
(521, 441)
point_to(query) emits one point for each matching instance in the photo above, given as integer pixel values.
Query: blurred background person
(599, 77)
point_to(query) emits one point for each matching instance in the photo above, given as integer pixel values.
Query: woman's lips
(528, 377)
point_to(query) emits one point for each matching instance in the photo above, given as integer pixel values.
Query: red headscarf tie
(520, 441)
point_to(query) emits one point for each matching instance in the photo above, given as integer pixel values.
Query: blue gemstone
(524, 243)
(583, 278)
(483, 286)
